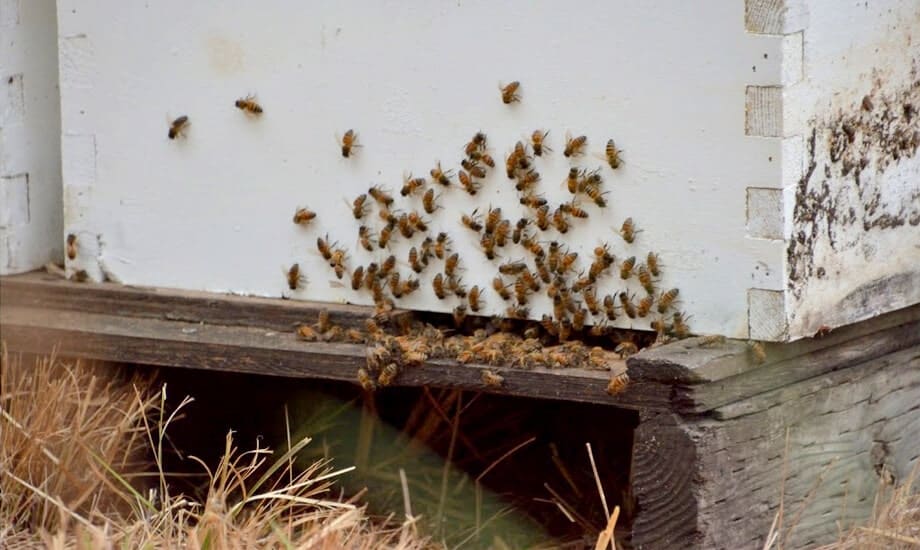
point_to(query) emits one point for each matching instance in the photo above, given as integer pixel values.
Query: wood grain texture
(260, 351)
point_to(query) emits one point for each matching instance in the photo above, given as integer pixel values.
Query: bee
(558, 306)
(591, 301)
(407, 287)
(370, 275)
(477, 171)
(493, 217)
(653, 264)
(566, 262)
(388, 374)
(357, 277)
(459, 314)
(294, 277)
(532, 245)
(467, 182)
(594, 193)
(364, 236)
(666, 299)
(554, 254)
(521, 290)
(475, 299)
(573, 180)
(417, 222)
(441, 176)
(414, 262)
(386, 233)
(559, 221)
(502, 232)
(548, 325)
(599, 330)
(501, 288)
(358, 206)
(645, 305)
(626, 268)
(519, 228)
(177, 127)
(613, 154)
(574, 146)
(325, 247)
(71, 246)
(660, 326)
(248, 105)
(517, 312)
(406, 228)
(628, 230)
(510, 92)
(388, 265)
(626, 348)
(542, 270)
(441, 245)
(394, 281)
(456, 286)
(487, 242)
(512, 268)
(538, 140)
(679, 327)
(365, 380)
(349, 142)
(511, 162)
(485, 158)
(387, 217)
(618, 383)
(323, 324)
(565, 330)
(758, 352)
(438, 284)
(451, 263)
(583, 283)
(477, 143)
(610, 308)
(491, 379)
(411, 185)
(382, 197)
(578, 319)
(542, 217)
(472, 221)
(533, 201)
(571, 208)
(527, 180)
(628, 307)
(306, 333)
(645, 277)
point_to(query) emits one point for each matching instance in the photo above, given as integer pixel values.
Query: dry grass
(73, 438)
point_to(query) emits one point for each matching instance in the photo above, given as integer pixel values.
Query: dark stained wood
(42, 290)
(274, 353)
(663, 479)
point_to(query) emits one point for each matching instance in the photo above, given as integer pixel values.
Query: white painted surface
(667, 80)
(30, 176)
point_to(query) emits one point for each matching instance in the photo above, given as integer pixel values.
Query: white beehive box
(777, 197)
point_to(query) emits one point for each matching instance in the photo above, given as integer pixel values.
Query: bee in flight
(178, 126)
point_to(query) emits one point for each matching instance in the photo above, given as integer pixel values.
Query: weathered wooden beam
(268, 352)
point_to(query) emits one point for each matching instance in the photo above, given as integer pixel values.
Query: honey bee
(566, 262)
(653, 264)
(574, 146)
(323, 324)
(459, 314)
(542, 270)
(572, 180)
(758, 352)
(467, 182)
(477, 171)
(565, 330)
(388, 374)
(365, 380)
(679, 327)
(594, 193)
(406, 228)
(485, 158)
(628, 230)
(517, 312)
(660, 326)
(571, 208)
(491, 379)
(554, 254)
(438, 284)
(358, 207)
(558, 306)
(364, 236)
(414, 262)
(560, 222)
(248, 105)
(349, 142)
(475, 299)
(294, 277)
(472, 221)
(386, 233)
(382, 197)
(440, 176)
(666, 299)
(429, 202)
(510, 92)
(477, 143)
(357, 277)
(578, 319)
(306, 333)
(325, 247)
(521, 290)
(487, 242)
(628, 307)
(441, 245)
(502, 232)
(626, 268)
(501, 288)
(527, 180)
(645, 305)
(626, 348)
(394, 282)
(613, 154)
(549, 325)
(532, 201)
(455, 284)
(411, 185)
(645, 277)
(370, 275)
(71, 246)
(417, 221)
(519, 228)
(406, 287)
(512, 268)
(451, 263)
(538, 140)
(591, 301)
(387, 267)
(493, 217)
(617, 384)
(532, 245)
(177, 127)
